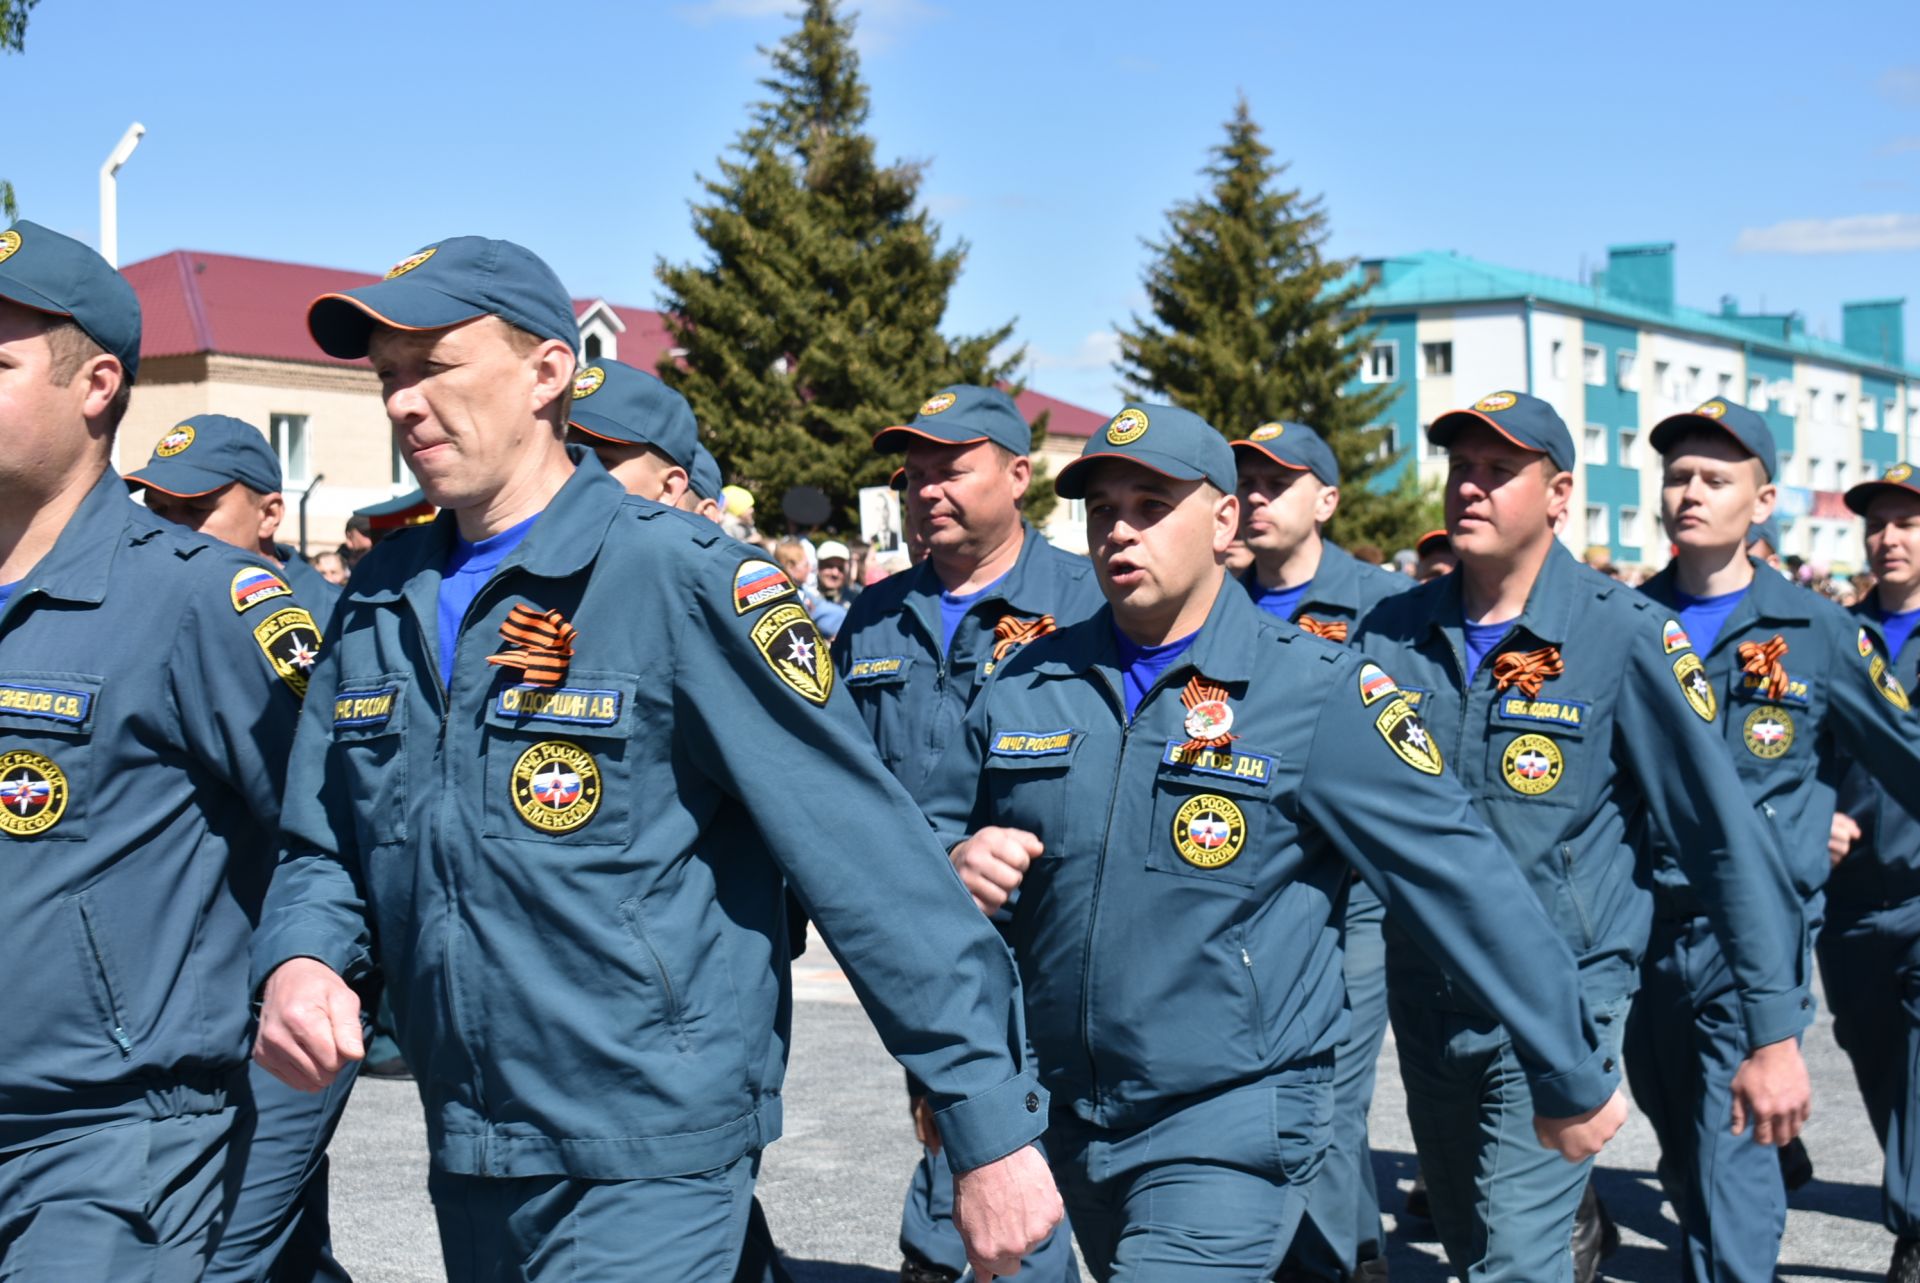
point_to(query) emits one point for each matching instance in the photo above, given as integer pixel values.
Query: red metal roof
(193, 302)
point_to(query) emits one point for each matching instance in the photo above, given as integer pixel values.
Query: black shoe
(915, 1272)
(1906, 1262)
(1595, 1237)
(1796, 1167)
(1374, 1271)
(1417, 1205)
(394, 1067)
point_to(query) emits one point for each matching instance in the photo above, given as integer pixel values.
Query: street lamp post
(109, 204)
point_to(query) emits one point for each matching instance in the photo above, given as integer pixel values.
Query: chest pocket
(369, 752)
(1026, 780)
(1213, 821)
(48, 760)
(1539, 748)
(1769, 734)
(557, 760)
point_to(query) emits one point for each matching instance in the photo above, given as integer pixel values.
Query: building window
(1663, 380)
(1596, 449)
(1434, 450)
(1839, 407)
(1557, 360)
(1593, 365)
(1629, 442)
(1725, 388)
(1597, 532)
(1438, 358)
(1693, 383)
(403, 479)
(1626, 367)
(1757, 395)
(593, 347)
(1839, 474)
(289, 435)
(1383, 363)
(1815, 469)
(1630, 527)
(1383, 436)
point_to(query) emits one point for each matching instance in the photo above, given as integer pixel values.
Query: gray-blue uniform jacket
(911, 695)
(1627, 731)
(582, 985)
(1179, 933)
(316, 594)
(1883, 869)
(1842, 700)
(1343, 590)
(149, 681)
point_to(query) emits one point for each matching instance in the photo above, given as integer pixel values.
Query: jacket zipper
(118, 1030)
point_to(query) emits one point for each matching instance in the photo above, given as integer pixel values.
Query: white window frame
(1630, 528)
(1626, 447)
(1391, 347)
(1442, 350)
(1594, 445)
(1757, 395)
(292, 445)
(1724, 386)
(1626, 369)
(1663, 383)
(1556, 359)
(1593, 364)
(1598, 512)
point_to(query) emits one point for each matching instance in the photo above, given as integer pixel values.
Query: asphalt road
(832, 1186)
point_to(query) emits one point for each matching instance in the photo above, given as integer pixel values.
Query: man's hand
(1583, 1135)
(1004, 1210)
(925, 1130)
(1841, 837)
(992, 863)
(1771, 1089)
(309, 1025)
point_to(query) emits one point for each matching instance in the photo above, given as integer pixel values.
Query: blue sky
(1778, 144)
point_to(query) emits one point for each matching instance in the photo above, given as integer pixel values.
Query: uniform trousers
(1870, 960)
(1503, 1203)
(1211, 1190)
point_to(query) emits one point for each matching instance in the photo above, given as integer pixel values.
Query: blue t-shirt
(1481, 639)
(1895, 628)
(1278, 602)
(469, 566)
(1704, 617)
(6, 594)
(953, 608)
(1141, 666)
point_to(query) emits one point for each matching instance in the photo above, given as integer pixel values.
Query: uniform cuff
(284, 945)
(1775, 1019)
(980, 1129)
(1587, 1086)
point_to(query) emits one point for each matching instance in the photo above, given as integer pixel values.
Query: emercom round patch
(556, 786)
(1208, 831)
(33, 794)
(1532, 765)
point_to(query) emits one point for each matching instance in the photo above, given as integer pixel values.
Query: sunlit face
(1154, 540)
(43, 424)
(1280, 507)
(832, 574)
(1501, 498)
(1712, 492)
(964, 499)
(1893, 538)
(464, 403)
(232, 514)
(793, 560)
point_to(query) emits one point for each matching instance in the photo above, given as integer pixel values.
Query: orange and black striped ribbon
(1527, 671)
(1334, 630)
(1010, 633)
(540, 644)
(1200, 691)
(1762, 659)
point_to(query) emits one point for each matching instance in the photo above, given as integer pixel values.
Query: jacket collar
(1224, 650)
(1548, 614)
(1769, 599)
(77, 567)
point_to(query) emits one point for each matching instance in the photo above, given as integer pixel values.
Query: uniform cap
(962, 414)
(47, 272)
(1173, 442)
(1296, 446)
(209, 451)
(703, 477)
(1527, 421)
(1899, 477)
(615, 402)
(448, 283)
(1745, 426)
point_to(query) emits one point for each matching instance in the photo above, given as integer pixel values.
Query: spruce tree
(1250, 323)
(814, 319)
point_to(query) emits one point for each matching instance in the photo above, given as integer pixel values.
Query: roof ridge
(196, 306)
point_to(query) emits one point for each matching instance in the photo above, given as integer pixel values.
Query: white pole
(109, 206)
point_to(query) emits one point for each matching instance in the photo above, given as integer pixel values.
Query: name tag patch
(49, 702)
(1032, 743)
(1797, 691)
(1227, 763)
(879, 668)
(1553, 712)
(364, 708)
(571, 704)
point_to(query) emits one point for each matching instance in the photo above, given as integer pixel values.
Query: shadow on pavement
(834, 1272)
(1832, 1198)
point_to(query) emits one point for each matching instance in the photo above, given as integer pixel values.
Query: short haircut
(72, 347)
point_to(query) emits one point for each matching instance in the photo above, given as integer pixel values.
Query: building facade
(1617, 355)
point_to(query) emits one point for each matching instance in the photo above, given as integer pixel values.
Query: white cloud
(1097, 351)
(1856, 234)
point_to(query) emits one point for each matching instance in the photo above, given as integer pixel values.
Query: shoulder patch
(1691, 673)
(291, 644)
(255, 584)
(759, 583)
(1887, 684)
(1864, 643)
(794, 649)
(1404, 733)
(1674, 637)
(1375, 685)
